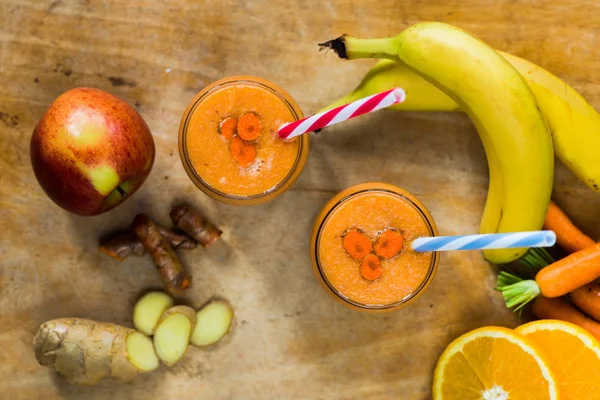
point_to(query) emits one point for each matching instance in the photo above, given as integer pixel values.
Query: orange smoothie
(229, 145)
(360, 247)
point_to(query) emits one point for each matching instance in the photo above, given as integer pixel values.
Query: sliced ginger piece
(389, 244)
(357, 244)
(371, 269)
(140, 352)
(249, 127)
(242, 152)
(148, 310)
(120, 367)
(172, 334)
(213, 322)
(228, 127)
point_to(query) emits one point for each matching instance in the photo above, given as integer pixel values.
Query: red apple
(91, 151)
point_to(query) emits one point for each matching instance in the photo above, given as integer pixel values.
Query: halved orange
(573, 354)
(493, 363)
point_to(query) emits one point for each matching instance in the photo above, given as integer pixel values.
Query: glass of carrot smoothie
(228, 141)
(360, 247)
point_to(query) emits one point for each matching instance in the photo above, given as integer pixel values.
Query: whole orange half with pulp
(493, 363)
(573, 355)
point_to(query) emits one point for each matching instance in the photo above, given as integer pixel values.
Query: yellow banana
(387, 74)
(573, 122)
(500, 105)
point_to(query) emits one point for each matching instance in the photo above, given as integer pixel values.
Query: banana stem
(352, 48)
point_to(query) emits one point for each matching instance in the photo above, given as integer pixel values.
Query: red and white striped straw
(342, 113)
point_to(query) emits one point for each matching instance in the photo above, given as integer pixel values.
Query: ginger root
(172, 273)
(172, 333)
(140, 352)
(148, 310)
(85, 351)
(127, 244)
(213, 322)
(194, 224)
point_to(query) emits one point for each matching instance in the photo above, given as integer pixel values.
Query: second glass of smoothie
(228, 141)
(360, 247)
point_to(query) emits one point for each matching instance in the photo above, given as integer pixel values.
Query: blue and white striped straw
(485, 242)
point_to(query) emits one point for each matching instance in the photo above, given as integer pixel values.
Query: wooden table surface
(291, 341)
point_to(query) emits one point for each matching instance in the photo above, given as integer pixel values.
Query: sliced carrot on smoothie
(228, 127)
(249, 127)
(357, 244)
(389, 244)
(371, 269)
(244, 153)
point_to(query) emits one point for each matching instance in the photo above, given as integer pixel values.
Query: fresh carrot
(357, 244)
(249, 127)
(244, 153)
(389, 243)
(587, 298)
(228, 127)
(571, 272)
(555, 280)
(546, 308)
(370, 269)
(568, 236)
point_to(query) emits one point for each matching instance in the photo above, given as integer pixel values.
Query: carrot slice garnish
(389, 243)
(249, 127)
(357, 244)
(228, 127)
(244, 153)
(371, 269)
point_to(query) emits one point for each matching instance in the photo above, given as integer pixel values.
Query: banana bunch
(514, 105)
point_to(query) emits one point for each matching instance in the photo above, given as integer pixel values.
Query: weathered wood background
(291, 341)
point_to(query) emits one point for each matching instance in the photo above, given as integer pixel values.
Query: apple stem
(122, 192)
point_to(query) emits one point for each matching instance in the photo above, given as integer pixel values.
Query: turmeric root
(213, 322)
(122, 246)
(86, 351)
(357, 244)
(249, 127)
(128, 244)
(148, 310)
(172, 333)
(178, 240)
(172, 273)
(194, 224)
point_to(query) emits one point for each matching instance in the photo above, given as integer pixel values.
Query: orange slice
(493, 363)
(573, 355)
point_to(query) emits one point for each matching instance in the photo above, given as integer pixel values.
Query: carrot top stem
(516, 291)
(537, 258)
